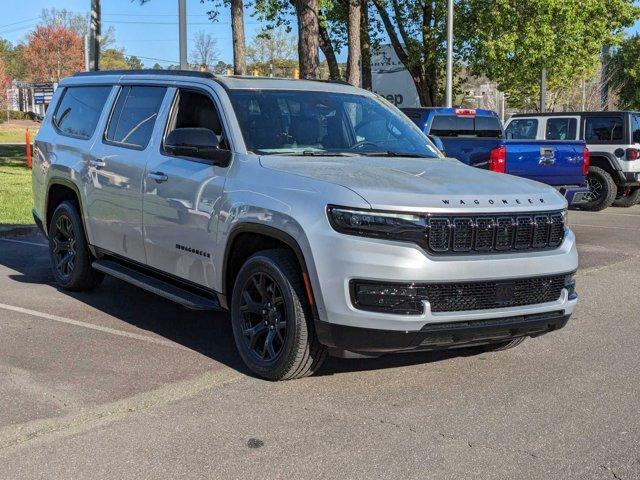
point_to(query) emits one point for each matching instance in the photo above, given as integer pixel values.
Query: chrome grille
(500, 233)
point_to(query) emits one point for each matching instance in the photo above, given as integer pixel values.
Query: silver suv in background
(613, 139)
(315, 212)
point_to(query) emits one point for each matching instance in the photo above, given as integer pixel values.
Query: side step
(155, 285)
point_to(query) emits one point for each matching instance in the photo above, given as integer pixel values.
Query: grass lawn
(14, 131)
(16, 199)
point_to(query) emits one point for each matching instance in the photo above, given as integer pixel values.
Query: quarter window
(603, 130)
(561, 129)
(134, 116)
(79, 109)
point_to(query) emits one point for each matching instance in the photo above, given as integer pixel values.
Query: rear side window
(134, 116)
(635, 128)
(79, 109)
(459, 126)
(561, 129)
(522, 129)
(603, 130)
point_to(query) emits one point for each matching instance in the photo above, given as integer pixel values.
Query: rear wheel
(272, 320)
(602, 190)
(70, 255)
(629, 198)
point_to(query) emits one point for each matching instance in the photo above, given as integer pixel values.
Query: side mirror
(196, 143)
(437, 142)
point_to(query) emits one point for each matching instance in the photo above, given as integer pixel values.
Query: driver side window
(194, 109)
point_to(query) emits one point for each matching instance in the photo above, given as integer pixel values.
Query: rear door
(116, 168)
(466, 136)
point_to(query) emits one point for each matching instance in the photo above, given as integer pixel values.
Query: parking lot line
(99, 328)
(23, 241)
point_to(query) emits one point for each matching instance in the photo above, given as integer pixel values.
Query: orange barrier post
(27, 141)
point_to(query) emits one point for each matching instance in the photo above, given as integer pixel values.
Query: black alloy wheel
(264, 317)
(64, 246)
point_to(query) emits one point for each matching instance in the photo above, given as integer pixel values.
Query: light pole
(449, 88)
(182, 33)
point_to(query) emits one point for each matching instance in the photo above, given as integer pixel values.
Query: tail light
(633, 154)
(498, 159)
(586, 161)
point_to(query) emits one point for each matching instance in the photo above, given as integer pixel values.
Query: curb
(18, 230)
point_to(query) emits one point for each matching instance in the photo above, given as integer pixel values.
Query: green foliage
(13, 56)
(510, 41)
(625, 73)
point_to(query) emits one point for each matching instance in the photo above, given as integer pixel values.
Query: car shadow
(208, 333)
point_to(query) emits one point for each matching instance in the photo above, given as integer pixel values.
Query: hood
(430, 184)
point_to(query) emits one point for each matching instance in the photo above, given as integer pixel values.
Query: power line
(21, 21)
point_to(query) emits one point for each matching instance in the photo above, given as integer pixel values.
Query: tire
(603, 190)
(628, 200)
(269, 296)
(506, 345)
(70, 255)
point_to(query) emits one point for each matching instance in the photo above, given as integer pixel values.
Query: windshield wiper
(314, 153)
(391, 153)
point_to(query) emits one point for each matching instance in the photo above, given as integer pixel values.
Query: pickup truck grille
(494, 233)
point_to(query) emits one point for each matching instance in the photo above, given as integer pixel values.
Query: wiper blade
(314, 153)
(391, 153)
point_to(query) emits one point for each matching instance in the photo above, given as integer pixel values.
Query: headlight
(565, 217)
(387, 225)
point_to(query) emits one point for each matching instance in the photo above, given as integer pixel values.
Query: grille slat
(500, 233)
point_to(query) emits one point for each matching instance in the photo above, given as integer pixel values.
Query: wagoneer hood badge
(423, 184)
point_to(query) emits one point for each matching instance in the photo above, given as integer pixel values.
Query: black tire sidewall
(82, 265)
(608, 194)
(263, 263)
(628, 200)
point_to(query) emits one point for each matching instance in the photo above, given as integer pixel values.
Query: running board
(155, 285)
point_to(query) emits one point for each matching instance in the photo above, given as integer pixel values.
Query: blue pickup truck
(476, 137)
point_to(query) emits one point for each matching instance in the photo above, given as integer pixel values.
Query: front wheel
(628, 198)
(272, 319)
(602, 190)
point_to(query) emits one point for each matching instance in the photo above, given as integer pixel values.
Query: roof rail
(180, 73)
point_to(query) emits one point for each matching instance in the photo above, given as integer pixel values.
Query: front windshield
(325, 123)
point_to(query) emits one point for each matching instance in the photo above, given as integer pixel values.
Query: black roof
(180, 73)
(565, 114)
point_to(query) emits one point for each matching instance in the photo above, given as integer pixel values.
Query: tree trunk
(327, 49)
(353, 41)
(308, 38)
(237, 33)
(365, 39)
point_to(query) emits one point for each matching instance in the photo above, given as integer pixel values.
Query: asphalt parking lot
(118, 383)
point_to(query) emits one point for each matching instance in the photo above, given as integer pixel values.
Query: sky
(149, 31)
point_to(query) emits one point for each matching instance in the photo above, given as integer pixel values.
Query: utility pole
(182, 33)
(449, 87)
(543, 91)
(86, 53)
(94, 36)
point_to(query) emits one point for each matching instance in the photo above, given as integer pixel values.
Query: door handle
(97, 163)
(159, 177)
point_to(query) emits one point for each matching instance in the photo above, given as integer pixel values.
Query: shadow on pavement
(207, 333)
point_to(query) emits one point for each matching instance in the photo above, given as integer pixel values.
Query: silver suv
(315, 212)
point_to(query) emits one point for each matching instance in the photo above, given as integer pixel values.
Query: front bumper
(345, 341)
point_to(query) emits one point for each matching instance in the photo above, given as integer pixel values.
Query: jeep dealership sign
(391, 79)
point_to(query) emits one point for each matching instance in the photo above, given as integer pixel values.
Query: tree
(13, 58)
(308, 37)
(157, 66)
(222, 68)
(272, 46)
(53, 52)
(511, 41)
(5, 81)
(134, 63)
(237, 30)
(77, 22)
(625, 73)
(354, 39)
(204, 51)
